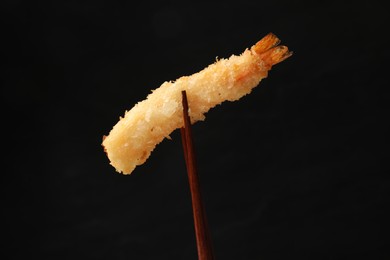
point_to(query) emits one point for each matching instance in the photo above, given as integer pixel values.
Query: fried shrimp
(134, 137)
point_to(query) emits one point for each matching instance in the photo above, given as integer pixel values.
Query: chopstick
(202, 232)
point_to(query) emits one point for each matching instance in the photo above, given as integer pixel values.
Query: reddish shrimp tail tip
(276, 55)
(266, 43)
(269, 51)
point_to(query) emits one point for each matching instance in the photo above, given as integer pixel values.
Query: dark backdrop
(298, 169)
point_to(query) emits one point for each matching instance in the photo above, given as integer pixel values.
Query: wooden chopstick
(202, 232)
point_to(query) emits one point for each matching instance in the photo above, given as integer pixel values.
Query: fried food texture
(149, 122)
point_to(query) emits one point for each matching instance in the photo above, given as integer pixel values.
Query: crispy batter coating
(134, 137)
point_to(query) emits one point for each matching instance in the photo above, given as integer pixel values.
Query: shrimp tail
(269, 51)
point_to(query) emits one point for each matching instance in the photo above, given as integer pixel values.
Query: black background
(298, 169)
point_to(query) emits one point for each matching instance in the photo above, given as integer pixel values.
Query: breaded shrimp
(135, 136)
